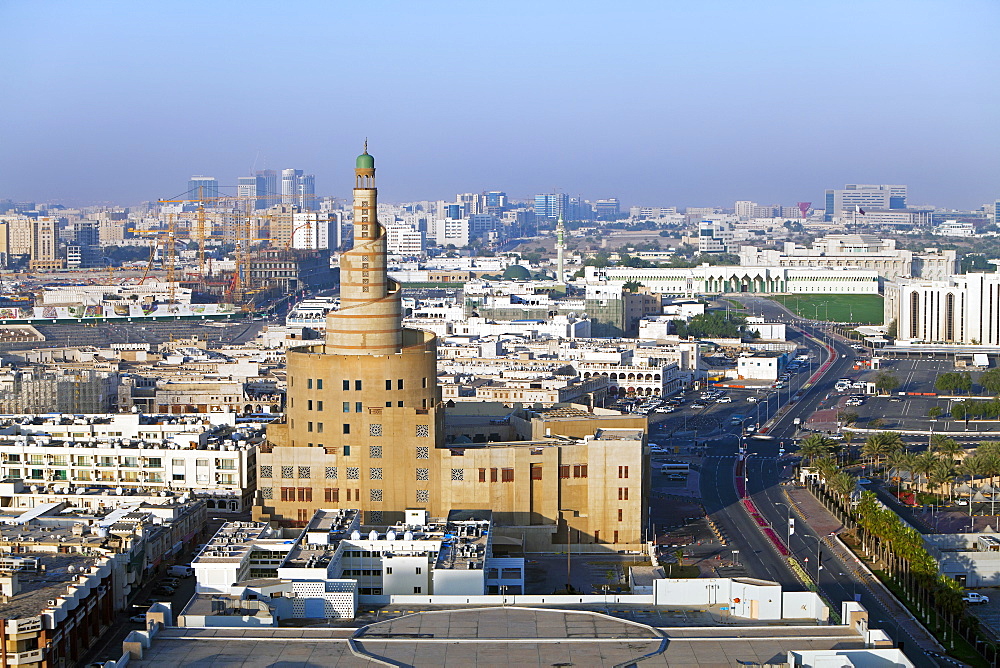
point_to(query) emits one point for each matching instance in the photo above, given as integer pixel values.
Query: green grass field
(863, 309)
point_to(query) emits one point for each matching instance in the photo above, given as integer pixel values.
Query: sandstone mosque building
(365, 428)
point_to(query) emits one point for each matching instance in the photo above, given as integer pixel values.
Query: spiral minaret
(369, 321)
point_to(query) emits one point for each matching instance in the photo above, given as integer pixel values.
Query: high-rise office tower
(202, 187)
(307, 192)
(252, 188)
(298, 188)
(550, 205)
(854, 195)
(272, 191)
(607, 209)
(290, 185)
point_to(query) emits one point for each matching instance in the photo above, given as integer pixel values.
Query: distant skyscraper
(855, 195)
(202, 187)
(607, 209)
(298, 188)
(550, 205)
(496, 199)
(271, 194)
(252, 188)
(307, 192)
(290, 185)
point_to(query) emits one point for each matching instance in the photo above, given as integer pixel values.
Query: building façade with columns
(718, 279)
(961, 309)
(365, 428)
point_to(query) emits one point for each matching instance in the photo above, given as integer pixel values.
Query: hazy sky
(664, 102)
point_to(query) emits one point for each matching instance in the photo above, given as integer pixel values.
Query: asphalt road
(765, 472)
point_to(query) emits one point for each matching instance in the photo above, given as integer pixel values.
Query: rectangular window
(347, 406)
(319, 405)
(309, 426)
(303, 515)
(347, 385)
(619, 516)
(622, 471)
(416, 590)
(399, 384)
(309, 405)
(305, 494)
(319, 427)
(616, 538)
(388, 384)
(482, 475)
(536, 471)
(388, 404)
(319, 383)
(347, 450)
(493, 475)
(347, 430)
(357, 385)
(583, 470)
(597, 535)
(419, 570)
(506, 475)
(564, 471)
(388, 570)
(358, 407)
(623, 493)
(309, 383)
(331, 494)
(424, 384)
(399, 404)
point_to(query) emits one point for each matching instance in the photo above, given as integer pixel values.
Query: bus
(673, 467)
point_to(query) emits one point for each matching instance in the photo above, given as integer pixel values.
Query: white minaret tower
(560, 247)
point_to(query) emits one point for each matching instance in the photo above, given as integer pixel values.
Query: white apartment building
(452, 231)
(714, 237)
(208, 463)
(404, 240)
(962, 309)
(842, 204)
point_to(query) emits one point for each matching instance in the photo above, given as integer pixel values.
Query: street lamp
(789, 525)
(819, 543)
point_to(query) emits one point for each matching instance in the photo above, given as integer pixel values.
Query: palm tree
(948, 447)
(880, 444)
(925, 463)
(843, 483)
(940, 475)
(815, 446)
(826, 466)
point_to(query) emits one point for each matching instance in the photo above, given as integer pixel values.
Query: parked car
(724, 400)
(138, 619)
(164, 590)
(973, 598)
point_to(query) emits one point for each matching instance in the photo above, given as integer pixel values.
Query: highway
(765, 472)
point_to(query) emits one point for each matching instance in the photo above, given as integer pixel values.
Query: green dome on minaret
(365, 161)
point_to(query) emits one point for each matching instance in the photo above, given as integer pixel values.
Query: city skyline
(655, 105)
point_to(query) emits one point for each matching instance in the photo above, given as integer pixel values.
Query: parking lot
(904, 410)
(989, 613)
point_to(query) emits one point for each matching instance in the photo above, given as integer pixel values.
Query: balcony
(19, 658)
(26, 625)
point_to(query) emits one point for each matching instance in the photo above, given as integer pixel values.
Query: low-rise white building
(324, 569)
(760, 366)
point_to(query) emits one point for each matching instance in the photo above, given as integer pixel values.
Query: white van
(180, 571)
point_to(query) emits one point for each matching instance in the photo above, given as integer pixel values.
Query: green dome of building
(365, 161)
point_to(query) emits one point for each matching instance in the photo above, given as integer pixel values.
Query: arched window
(949, 317)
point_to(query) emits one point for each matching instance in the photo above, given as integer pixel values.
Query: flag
(860, 210)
